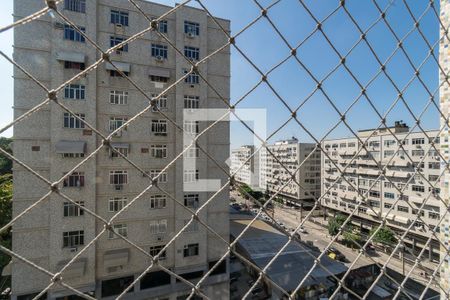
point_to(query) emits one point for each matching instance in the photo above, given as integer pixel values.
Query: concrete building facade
(293, 157)
(52, 142)
(363, 171)
(245, 163)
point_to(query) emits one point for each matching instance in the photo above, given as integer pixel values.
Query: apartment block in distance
(362, 172)
(289, 157)
(52, 141)
(245, 164)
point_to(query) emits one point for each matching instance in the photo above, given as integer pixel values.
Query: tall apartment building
(52, 142)
(363, 171)
(293, 157)
(245, 163)
(445, 108)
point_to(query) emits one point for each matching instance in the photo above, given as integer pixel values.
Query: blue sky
(292, 83)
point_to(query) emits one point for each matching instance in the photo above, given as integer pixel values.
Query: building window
(388, 153)
(374, 203)
(191, 78)
(74, 65)
(116, 286)
(156, 78)
(191, 127)
(190, 175)
(75, 91)
(418, 188)
(35, 148)
(70, 121)
(72, 34)
(115, 73)
(72, 155)
(120, 229)
(159, 151)
(162, 177)
(190, 250)
(73, 238)
(433, 215)
(387, 205)
(193, 227)
(162, 26)
(119, 17)
(418, 152)
(118, 97)
(161, 102)
(115, 40)
(159, 127)
(154, 250)
(418, 141)
(221, 268)
(192, 152)
(192, 53)
(72, 210)
(159, 51)
(122, 150)
(75, 5)
(155, 279)
(116, 204)
(191, 28)
(76, 179)
(434, 165)
(157, 201)
(389, 195)
(191, 200)
(416, 212)
(158, 226)
(402, 208)
(118, 177)
(191, 101)
(116, 122)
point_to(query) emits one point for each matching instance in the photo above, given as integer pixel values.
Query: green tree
(334, 223)
(352, 237)
(5, 162)
(384, 236)
(6, 190)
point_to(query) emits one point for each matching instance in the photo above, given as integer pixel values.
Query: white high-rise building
(363, 173)
(245, 163)
(52, 142)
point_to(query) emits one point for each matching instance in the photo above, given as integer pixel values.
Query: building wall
(362, 172)
(38, 236)
(245, 165)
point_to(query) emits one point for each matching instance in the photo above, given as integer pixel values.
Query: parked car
(335, 254)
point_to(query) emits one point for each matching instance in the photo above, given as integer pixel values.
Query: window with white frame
(119, 229)
(418, 141)
(418, 152)
(116, 122)
(162, 178)
(190, 250)
(73, 210)
(191, 200)
(75, 91)
(70, 121)
(158, 226)
(192, 227)
(402, 208)
(73, 238)
(72, 34)
(116, 204)
(75, 5)
(118, 177)
(161, 102)
(118, 97)
(158, 151)
(159, 51)
(119, 17)
(157, 201)
(433, 215)
(389, 195)
(115, 40)
(191, 127)
(154, 250)
(122, 150)
(72, 155)
(191, 28)
(190, 175)
(159, 127)
(192, 53)
(389, 143)
(191, 102)
(76, 179)
(191, 78)
(192, 152)
(418, 188)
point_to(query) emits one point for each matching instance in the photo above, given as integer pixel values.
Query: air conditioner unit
(192, 86)
(58, 25)
(159, 58)
(159, 238)
(118, 187)
(73, 249)
(119, 28)
(190, 35)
